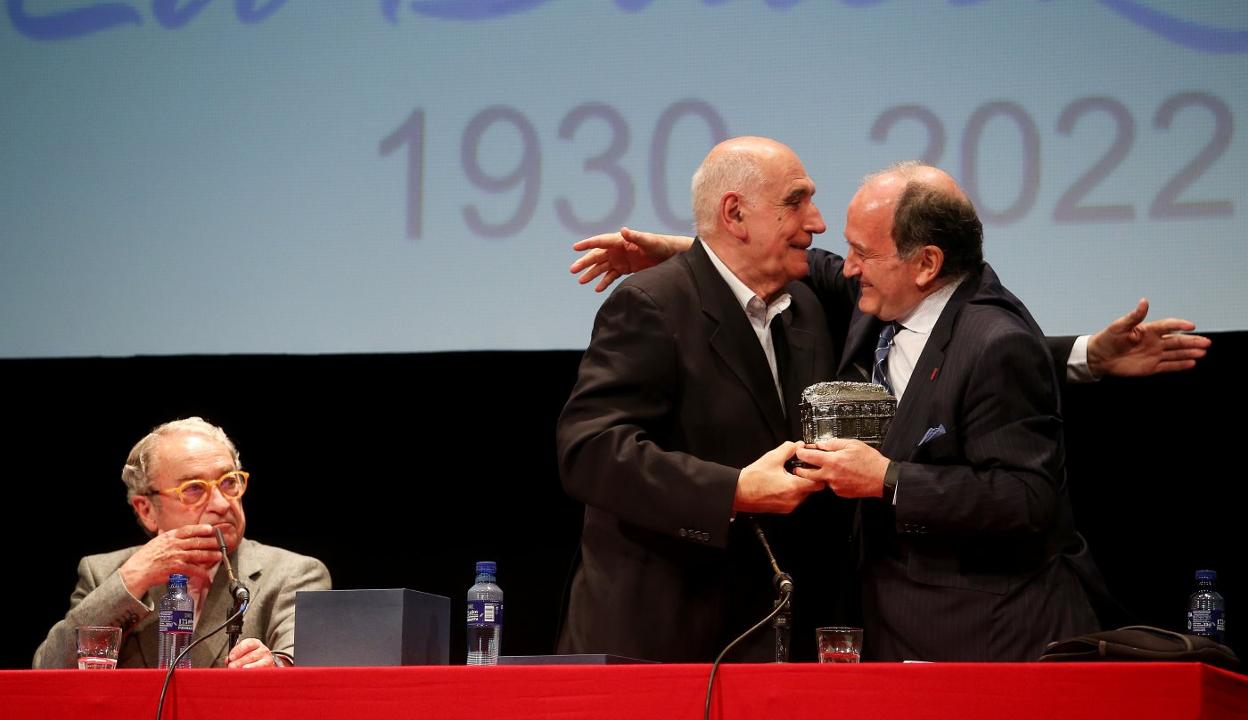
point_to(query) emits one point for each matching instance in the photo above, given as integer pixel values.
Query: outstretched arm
(612, 255)
(1130, 347)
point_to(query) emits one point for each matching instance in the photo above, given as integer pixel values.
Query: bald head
(896, 177)
(734, 165)
(928, 207)
(752, 201)
(910, 230)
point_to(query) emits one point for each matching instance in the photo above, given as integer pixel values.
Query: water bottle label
(1205, 622)
(178, 621)
(483, 612)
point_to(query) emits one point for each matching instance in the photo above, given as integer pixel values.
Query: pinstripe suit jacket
(273, 576)
(978, 559)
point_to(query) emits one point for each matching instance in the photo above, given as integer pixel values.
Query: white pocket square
(932, 434)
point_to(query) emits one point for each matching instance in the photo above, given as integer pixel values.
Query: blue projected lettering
(172, 14)
(473, 9)
(70, 23)
(1190, 35)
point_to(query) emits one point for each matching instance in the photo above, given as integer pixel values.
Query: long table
(1024, 691)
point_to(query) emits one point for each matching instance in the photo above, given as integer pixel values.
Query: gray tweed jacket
(272, 574)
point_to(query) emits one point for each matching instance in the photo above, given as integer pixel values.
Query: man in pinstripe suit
(968, 544)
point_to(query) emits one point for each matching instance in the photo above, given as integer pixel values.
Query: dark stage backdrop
(402, 470)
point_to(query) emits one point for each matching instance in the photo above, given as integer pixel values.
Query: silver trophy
(850, 410)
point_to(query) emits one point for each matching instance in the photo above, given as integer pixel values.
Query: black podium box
(351, 628)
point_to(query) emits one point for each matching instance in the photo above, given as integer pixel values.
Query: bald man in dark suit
(683, 416)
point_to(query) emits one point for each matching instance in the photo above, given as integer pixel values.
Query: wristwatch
(890, 482)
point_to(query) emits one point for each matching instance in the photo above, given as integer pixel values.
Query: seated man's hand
(851, 468)
(190, 550)
(1131, 347)
(766, 486)
(613, 255)
(250, 653)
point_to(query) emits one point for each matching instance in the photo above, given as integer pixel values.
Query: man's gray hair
(137, 473)
(733, 169)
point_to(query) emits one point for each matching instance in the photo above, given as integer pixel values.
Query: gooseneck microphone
(779, 617)
(233, 624)
(783, 622)
(240, 594)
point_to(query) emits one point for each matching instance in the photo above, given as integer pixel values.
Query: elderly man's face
(887, 282)
(782, 219)
(188, 456)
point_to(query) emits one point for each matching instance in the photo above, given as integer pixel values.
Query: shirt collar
(744, 295)
(923, 317)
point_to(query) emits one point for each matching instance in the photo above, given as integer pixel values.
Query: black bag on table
(1141, 642)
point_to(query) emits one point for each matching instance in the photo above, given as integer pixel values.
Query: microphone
(238, 591)
(783, 581)
(233, 624)
(784, 587)
(780, 618)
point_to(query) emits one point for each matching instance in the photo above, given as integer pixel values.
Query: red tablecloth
(1039, 691)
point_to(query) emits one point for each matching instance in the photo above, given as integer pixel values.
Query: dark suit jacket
(273, 576)
(978, 558)
(674, 397)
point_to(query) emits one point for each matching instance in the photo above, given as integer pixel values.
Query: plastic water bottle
(485, 617)
(176, 622)
(1205, 614)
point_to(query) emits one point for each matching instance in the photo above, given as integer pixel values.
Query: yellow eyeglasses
(196, 492)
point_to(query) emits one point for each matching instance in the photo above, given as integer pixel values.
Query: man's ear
(931, 260)
(732, 215)
(145, 511)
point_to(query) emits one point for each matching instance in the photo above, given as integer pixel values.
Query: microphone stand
(234, 626)
(783, 625)
(241, 599)
(779, 617)
(173, 665)
(783, 621)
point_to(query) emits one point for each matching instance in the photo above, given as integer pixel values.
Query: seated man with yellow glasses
(184, 483)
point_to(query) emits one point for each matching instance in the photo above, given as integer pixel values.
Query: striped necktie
(879, 371)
